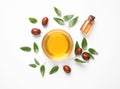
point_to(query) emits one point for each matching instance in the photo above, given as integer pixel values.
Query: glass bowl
(57, 44)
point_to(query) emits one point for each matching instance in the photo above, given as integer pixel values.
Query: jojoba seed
(66, 68)
(78, 51)
(35, 31)
(85, 56)
(44, 21)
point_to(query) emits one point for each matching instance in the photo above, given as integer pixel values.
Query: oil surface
(57, 44)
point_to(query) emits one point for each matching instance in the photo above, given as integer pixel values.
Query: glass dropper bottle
(86, 27)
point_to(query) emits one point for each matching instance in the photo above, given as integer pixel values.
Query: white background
(15, 31)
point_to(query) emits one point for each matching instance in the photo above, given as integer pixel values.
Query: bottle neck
(91, 18)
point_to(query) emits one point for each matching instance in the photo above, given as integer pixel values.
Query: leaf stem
(67, 26)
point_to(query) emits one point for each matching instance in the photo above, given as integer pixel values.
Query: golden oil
(57, 44)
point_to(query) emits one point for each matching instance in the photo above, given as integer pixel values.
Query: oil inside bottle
(86, 27)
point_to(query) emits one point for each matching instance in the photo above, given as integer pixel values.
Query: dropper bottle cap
(91, 18)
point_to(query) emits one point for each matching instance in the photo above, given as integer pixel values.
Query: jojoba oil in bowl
(57, 44)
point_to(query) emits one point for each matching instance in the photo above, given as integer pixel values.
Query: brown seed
(78, 51)
(85, 56)
(67, 69)
(35, 31)
(44, 21)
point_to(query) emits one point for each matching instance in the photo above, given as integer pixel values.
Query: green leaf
(33, 20)
(67, 17)
(77, 45)
(36, 61)
(36, 48)
(26, 49)
(57, 11)
(78, 60)
(73, 21)
(42, 70)
(91, 56)
(32, 65)
(54, 70)
(84, 43)
(93, 51)
(59, 21)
